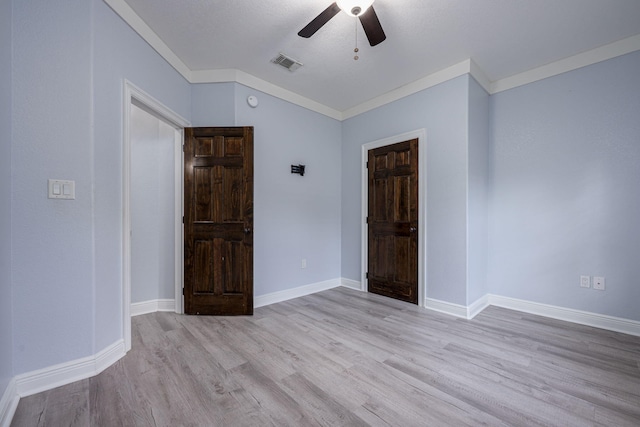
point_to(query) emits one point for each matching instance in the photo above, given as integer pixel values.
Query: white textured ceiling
(503, 37)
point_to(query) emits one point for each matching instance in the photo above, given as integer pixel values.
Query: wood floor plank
(343, 357)
(64, 406)
(320, 404)
(126, 406)
(279, 406)
(391, 390)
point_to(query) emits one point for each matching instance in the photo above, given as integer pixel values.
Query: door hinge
(182, 291)
(183, 219)
(366, 220)
(183, 148)
(367, 165)
(366, 275)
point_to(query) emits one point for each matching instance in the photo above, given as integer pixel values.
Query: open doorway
(165, 131)
(153, 196)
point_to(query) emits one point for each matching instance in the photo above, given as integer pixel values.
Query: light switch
(62, 189)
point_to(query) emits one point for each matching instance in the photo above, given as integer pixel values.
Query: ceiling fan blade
(319, 21)
(372, 27)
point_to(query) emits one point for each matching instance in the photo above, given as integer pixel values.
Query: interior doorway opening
(173, 124)
(153, 215)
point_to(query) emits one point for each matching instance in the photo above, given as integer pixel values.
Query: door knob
(247, 230)
(413, 229)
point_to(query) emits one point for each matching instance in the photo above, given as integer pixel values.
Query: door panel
(393, 221)
(218, 221)
(202, 278)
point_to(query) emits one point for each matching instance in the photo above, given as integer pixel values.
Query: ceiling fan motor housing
(354, 7)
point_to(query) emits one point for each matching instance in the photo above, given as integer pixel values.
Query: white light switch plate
(62, 189)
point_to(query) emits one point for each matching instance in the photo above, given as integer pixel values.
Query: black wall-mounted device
(299, 169)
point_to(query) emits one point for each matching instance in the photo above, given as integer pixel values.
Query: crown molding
(426, 82)
(590, 57)
(249, 80)
(468, 66)
(478, 74)
(465, 67)
(139, 26)
(214, 76)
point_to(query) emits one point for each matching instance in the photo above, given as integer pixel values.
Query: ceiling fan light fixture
(354, 7)
(361, 9)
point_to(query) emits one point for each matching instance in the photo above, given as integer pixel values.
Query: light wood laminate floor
(342, 357)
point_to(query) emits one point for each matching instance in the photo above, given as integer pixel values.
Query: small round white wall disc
(252, 101)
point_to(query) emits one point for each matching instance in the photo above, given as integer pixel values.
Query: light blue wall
(213, 104)
(119, 54)
(152, 207)
(443, 111)
(67, 255)
(294, 217)
(565, 198)
(52, 244)
(6, 341)
(478, 188)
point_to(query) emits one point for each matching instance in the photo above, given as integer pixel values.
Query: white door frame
(421, 134)
(133, 94)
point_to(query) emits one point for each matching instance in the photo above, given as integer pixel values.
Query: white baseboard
(466, 312)
(476, 307)
(274, 297)
(109, 356)
(353, 284)
(617, 324)
(65, 373)
(452, 309)
(152, 306)
(9, 403)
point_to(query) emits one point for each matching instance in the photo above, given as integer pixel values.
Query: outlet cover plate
(598, 283)
(585, 281)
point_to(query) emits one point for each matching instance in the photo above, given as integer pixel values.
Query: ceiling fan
(362, 9)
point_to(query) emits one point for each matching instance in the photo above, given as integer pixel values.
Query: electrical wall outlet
(598, 283)
(585, 281)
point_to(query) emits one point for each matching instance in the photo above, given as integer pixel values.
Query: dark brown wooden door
(393, 221)
(218, 221)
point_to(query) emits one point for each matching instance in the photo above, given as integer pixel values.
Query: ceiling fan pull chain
(355, 57)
